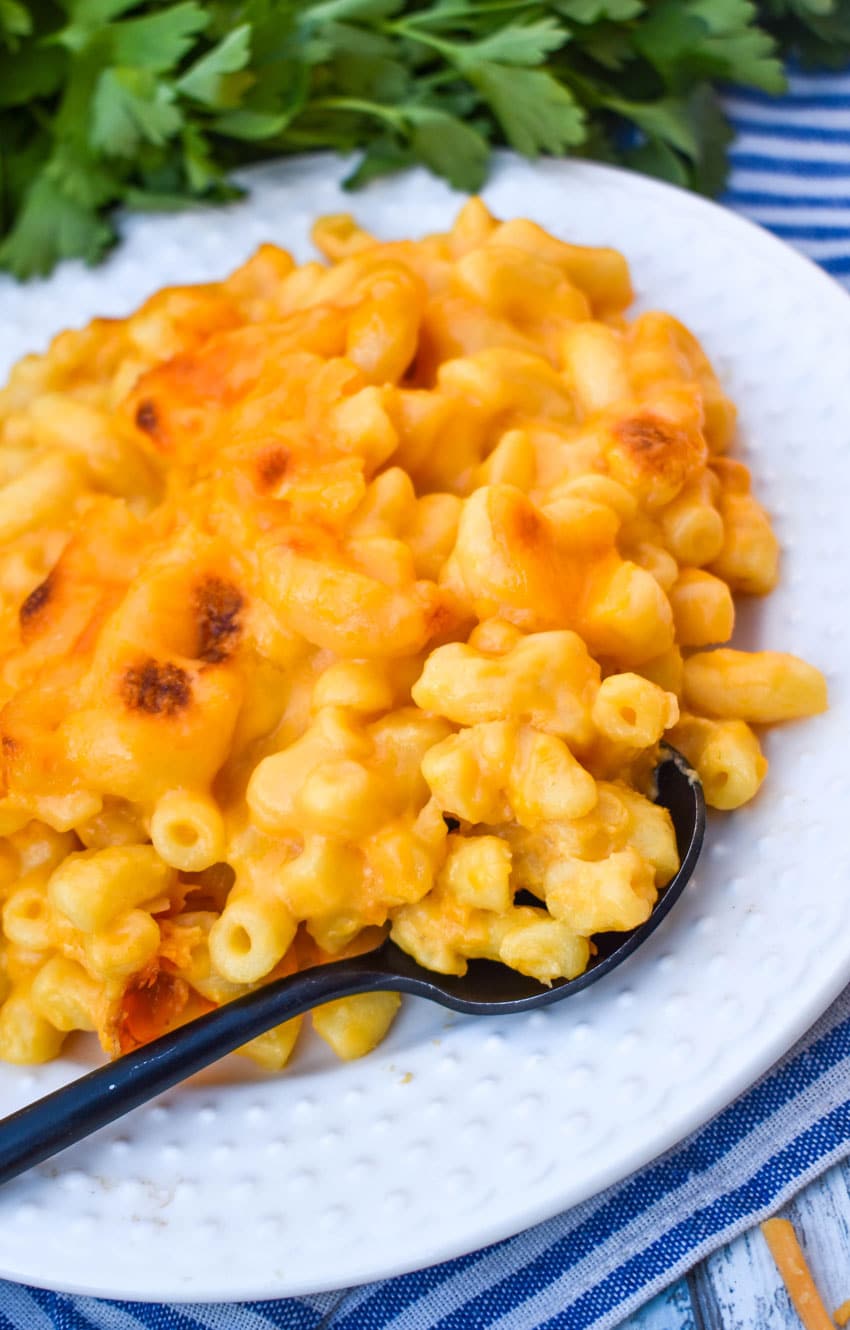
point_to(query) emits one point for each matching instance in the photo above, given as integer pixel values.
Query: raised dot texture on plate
(755, 305)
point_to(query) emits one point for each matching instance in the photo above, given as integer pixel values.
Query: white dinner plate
(456, 1132)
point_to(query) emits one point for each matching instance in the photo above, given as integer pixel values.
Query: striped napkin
(588, 1268)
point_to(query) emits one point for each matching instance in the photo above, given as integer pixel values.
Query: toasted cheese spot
(272, 466)
(8, 756)
(311, 541)
(217, 606)
(36, 600)
(648, 438)
(656, 456)
(528, 526)
(155, 688)
(441, 618)
(147, 417)
(150, 1005)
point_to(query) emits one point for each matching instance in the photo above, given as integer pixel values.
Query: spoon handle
(76, 1110)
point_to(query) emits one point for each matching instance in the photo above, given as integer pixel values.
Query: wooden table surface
(738, 1287)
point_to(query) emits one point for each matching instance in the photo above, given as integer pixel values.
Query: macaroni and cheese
(357, 596)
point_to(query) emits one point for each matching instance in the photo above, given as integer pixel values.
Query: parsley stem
(408, 28)
(444, 14)
(439, 78)
(361, 106)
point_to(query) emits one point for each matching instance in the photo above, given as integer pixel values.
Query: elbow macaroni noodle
(358, 596)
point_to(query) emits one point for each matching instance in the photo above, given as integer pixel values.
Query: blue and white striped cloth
(590, 1267)
(791, 166)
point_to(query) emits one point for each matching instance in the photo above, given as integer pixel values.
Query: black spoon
(67, 1115)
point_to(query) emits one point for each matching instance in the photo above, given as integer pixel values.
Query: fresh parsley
(151, 104)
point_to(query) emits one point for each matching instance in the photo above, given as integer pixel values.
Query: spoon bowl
(69, 1114)
(491, 988)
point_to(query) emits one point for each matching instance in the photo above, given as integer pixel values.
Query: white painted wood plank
(738, 1288)
(741, 1285)
(821, 1216)
(671, 1310)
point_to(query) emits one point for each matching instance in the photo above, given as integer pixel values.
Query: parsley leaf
(714, 134)
(515, 44)
(816, 31)
(249, 125)
(50, 227)
(384, 156)
(450, 147)
(355, 10)
(216, 79)
(656, 158)
(536, 112)
(592, 11)
(665, 120)
(88, 17)
(29, 74)
(131, 105)
(15, 23)
(159, 41)
(689, 40)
